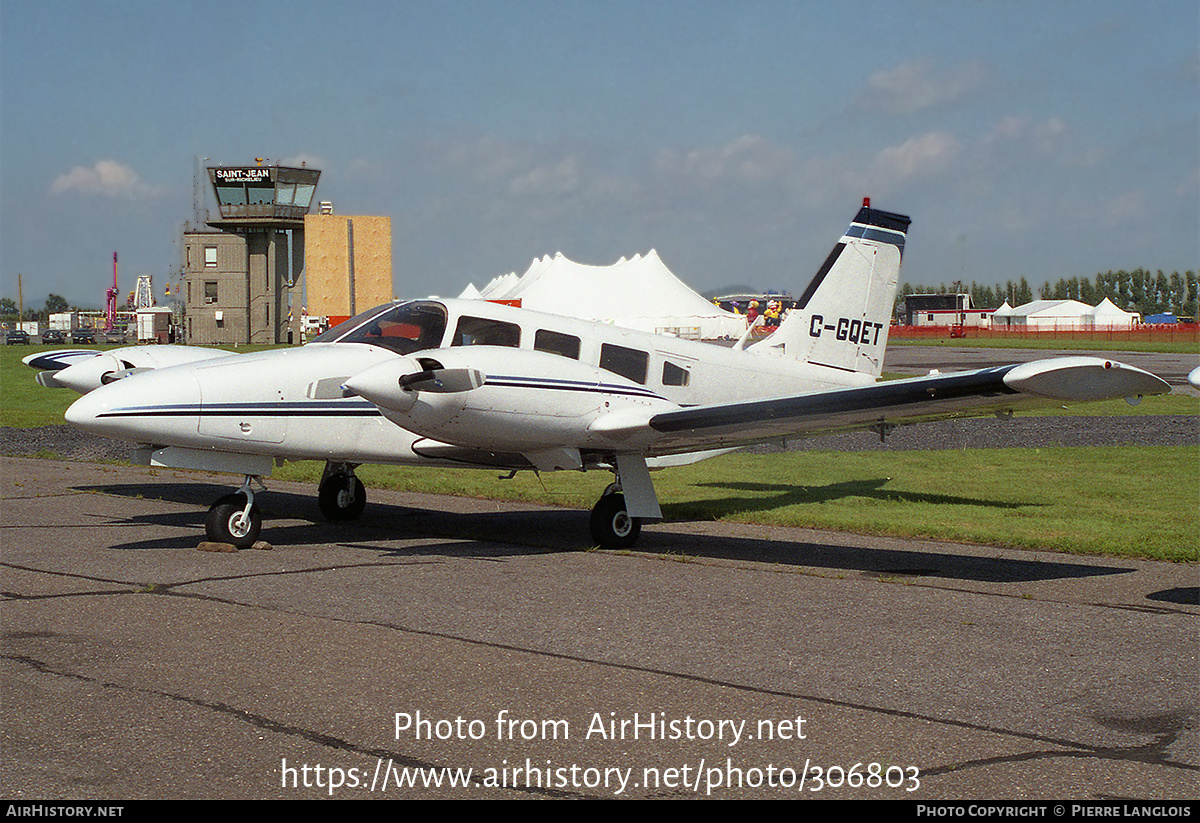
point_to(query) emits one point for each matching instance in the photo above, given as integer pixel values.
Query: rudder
(841, 318)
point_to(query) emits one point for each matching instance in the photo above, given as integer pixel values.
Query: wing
(881, 406)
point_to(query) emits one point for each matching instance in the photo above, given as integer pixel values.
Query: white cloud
(927, 154)
(557, 177)
(108, 177)
(1045, 135)
(745, 159)
(918, 85)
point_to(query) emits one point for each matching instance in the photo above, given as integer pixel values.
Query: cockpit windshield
(403, 328)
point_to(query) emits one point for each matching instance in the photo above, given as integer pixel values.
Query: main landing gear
(234, 518)
(341, 495)
(610, 523)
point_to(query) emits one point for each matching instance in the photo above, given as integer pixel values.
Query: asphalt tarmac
(443, 639)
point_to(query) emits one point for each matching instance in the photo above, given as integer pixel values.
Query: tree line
(1139, 290)
(55, 304)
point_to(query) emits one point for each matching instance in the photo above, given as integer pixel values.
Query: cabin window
(557, 343)
(629, 363)
(480, 331)
(403, 328)
(674, 375)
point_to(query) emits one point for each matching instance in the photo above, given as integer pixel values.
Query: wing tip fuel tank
(1082, 379)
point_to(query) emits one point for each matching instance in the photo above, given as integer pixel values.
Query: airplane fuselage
(547, 378)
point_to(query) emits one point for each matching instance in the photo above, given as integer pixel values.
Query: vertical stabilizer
(842, 316)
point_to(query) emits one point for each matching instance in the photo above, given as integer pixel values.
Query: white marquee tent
(640, 293)
(1064, 314)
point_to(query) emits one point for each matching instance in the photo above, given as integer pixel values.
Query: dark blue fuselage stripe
(569, 385)
(336, 408)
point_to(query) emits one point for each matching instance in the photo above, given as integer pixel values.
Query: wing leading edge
(891, 403)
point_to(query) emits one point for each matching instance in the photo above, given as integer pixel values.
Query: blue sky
(1035, 139)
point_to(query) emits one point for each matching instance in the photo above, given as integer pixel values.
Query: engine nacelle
(499, 399)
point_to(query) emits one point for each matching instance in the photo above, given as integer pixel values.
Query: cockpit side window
(481, 331)
(405, 328)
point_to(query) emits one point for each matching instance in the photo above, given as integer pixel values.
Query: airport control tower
(240, 277)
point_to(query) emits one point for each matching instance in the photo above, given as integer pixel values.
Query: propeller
(443, 381)
(383, 386)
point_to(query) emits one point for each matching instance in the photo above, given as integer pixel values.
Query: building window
(210, 291)
(210, 257)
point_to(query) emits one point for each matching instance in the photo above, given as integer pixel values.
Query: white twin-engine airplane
(467, 382)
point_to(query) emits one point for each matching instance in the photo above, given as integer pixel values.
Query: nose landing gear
(234, 518)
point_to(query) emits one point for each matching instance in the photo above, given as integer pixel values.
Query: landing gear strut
(234, 518)
(610, 523)
(341, 495)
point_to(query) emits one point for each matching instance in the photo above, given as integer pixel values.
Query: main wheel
(341, 497)
(226, 522)
(611, 525)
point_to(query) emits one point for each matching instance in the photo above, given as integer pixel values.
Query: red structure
(110, 299)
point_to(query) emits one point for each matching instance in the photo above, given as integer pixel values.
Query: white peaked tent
(1003, 315)
(640, 293)
(1064, 315)
(1051, 314)
(1107, 316)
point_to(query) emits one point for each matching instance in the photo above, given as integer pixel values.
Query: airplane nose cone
(142, 408)
(86, 411)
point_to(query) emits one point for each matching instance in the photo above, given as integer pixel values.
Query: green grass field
(1130, 501)
(1103, 500)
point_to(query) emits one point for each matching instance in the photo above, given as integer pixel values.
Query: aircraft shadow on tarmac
(512, 533)
(785, 495)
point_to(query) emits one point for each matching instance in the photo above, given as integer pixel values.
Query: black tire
(341, 497)
(224, 522)
(611, 525)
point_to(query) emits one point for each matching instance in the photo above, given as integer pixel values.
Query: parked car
(54, 336)
(83, 336)
(17, 336)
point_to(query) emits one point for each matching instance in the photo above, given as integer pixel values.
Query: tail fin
(842, 317)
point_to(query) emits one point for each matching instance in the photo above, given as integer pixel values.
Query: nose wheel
(234, 518)
(341, 496)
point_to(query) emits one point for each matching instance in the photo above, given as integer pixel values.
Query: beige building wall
(341, 250)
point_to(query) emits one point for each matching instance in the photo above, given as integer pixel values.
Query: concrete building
(235, 288)
(240, 278)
